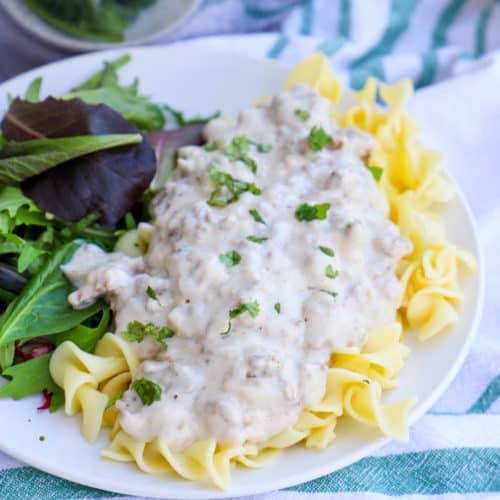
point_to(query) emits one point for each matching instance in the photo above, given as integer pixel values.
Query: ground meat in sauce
(253, 382)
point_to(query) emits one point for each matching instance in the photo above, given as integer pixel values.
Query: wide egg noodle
(414, 186)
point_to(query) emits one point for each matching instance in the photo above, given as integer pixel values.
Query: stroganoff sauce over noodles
(259, 290)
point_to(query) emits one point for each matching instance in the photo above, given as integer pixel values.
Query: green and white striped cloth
(454, 452)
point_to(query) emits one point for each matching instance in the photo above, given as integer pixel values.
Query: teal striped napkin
(454, 452)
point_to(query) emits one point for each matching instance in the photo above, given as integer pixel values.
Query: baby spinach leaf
(21, 160)
(42, 308)
(29, 377)
(107, 183)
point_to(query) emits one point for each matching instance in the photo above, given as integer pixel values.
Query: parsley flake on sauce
(328, 292)
(327, 251)
(152, 294)
(137, 331)
(302, 114)
(256, 216)
(213, 146)
(231, 258)
(277, 307)
(251, 308)
(308, 213)
(147, 390)
(319, 139)
(330, 272)
(112, 401)
(235, 186)
(377, 172)
(257, 239)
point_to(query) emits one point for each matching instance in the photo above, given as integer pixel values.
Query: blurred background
(426, 39)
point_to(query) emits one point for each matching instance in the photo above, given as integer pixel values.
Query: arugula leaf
(182, 121)
(42, 308)
(105, 77)
(277, 307)
(21, 160)
(29, 377)
(33, 91)
(29, 254)
(134, 108)
(12, 199)
(86, 337)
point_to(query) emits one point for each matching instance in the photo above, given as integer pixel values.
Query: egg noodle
(414, 186)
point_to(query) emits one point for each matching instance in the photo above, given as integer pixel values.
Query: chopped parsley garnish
(42, 438)
(257, 239)
(311, 212)
(152, 294)
(239, 148)
(330, 272)
(302, 114)
(366, 381)
(234, 186)
(231, 258)
(147, 390)
(137, 331)
(319, 139)
(327, 251)
(376, 172)
(251, 308)
(348, 225)
(213, 146)
(277, 307)
(264, 148)
(332, 294)
(112, 401)
(256, 216)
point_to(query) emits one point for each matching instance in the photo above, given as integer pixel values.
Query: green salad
(78, 168)
(102, 20)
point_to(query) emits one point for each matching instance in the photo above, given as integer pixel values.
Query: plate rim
(326, 468)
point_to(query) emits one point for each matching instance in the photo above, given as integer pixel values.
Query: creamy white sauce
(253, 382)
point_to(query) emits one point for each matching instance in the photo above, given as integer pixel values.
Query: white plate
(153, 23)
(200, 81)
